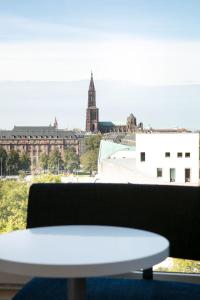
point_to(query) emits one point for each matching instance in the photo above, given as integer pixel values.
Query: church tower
(92, 113)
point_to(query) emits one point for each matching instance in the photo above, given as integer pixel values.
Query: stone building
(36, 140)
(92, 117)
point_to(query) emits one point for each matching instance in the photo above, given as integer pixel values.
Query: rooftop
(38, 131)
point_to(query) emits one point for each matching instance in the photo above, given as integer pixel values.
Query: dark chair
(172, 211)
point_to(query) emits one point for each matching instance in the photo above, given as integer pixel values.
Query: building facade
(40, 139)
(157, 158)
(169, 157)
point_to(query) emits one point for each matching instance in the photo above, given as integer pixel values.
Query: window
(167, 154)
(142, 156)
(187, 154)
(159, 172)
(172, 172)
(179, 154)
(187, 175)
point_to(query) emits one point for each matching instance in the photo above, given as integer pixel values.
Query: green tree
(89, 160)
(25, 162)
(93, 142)
(47, 178)
(3, 159)
(71, 159)
(44, 161)
(14, 200)
(55, 161)
(90, 157)
(13, 205)
(13, 162)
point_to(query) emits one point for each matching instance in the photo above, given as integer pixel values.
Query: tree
(47, 178)
(55, 161)
(25, 162)
(93, 142)
(90, 157)
(13, 162)
(13, 205)
(3, 158)
(71, 159)
(14, 200)
(44, 161)
(89, 160)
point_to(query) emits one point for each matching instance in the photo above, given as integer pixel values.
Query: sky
(153, 42)
(148, 43)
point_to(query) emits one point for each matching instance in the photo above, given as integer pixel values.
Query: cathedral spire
(91, 93)
(91, 87)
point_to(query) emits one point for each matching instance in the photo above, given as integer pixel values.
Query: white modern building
(169, 157)
(158, 158)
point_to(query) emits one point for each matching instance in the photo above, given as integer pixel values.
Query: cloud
(144, 62)
(36, 50)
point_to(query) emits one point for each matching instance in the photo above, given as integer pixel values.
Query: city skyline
(34, 104)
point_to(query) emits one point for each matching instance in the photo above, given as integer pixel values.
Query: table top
(80, 251)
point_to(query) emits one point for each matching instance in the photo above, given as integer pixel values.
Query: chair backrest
(172, 211)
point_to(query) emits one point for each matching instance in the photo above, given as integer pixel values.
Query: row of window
(172, 174)
(167, 154)
(179, 154)
(36, 137)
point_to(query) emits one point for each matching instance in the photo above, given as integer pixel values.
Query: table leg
(77, 289)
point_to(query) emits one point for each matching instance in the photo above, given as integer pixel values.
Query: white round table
(80, 251)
